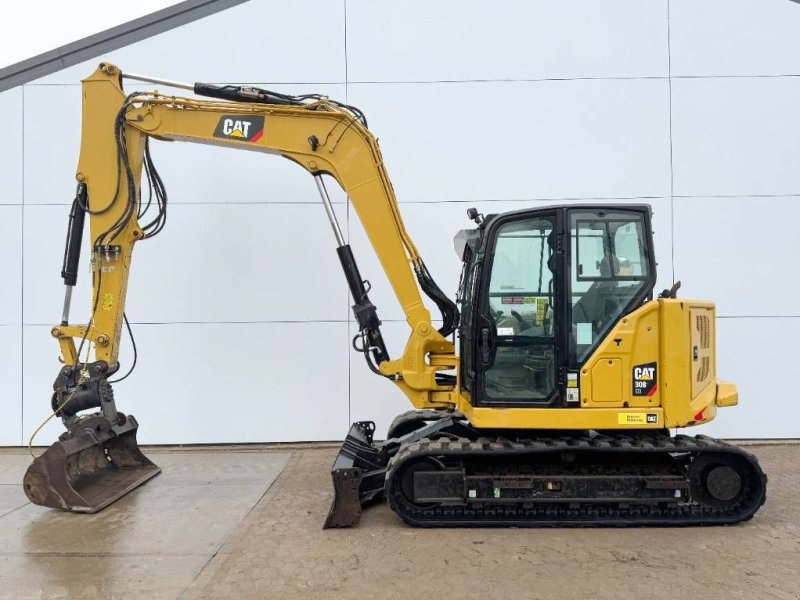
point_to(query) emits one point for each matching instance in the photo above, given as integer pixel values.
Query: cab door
(516, 356)
(611, 271)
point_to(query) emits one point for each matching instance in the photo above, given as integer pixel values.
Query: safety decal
(108, 301)
(637, 418)
(243, 128)
(541, 305)
(645, 379)
(573, 389)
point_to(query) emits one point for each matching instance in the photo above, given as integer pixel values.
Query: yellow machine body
(676, 335)
(663, 331)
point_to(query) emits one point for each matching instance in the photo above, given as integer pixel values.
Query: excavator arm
(97, 460)
(320, 136)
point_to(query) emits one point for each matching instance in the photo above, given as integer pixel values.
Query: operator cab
(540, 289)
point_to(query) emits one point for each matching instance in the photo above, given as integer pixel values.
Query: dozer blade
(359, 472)
(358, 475)
(90, 466)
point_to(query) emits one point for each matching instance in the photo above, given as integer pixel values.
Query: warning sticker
(541, 307)
(541, 304)
(637, 418)
(645, 379)
(573, 390)
(572, 380)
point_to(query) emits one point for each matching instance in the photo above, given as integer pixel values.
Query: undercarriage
(445, 473)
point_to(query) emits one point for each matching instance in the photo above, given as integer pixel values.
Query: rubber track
(569, 515)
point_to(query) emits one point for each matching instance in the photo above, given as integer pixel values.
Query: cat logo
(645, 379)
(243, 128)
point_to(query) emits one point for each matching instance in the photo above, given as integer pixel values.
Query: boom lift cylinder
(364, 311)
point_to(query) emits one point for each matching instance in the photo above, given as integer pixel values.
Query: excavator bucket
(358, 474)
(90, 466)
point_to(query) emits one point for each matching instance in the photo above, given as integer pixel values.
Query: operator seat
(601, 302)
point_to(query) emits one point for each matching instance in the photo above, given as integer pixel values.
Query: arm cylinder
(72, 251)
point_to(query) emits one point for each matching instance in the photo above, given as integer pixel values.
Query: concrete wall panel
(52, 143)
(11, 264)
(521, 39)
(11, 381)
(740, 252)
(734, 37)
(11, 103)
(736, 136)
(522, 140)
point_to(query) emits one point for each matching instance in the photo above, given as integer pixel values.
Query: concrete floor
(150, 544)
(208, 528)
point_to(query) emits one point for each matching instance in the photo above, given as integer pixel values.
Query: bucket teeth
(92, 465)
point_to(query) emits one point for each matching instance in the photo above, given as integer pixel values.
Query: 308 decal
(645, 379)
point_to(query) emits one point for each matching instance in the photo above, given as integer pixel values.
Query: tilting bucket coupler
(97, 460)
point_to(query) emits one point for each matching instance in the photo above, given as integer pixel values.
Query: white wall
(240, 313)
(24, 33)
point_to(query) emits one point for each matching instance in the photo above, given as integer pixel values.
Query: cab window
(520, 302)
(609, 270)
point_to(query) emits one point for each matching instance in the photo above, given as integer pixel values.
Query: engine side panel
(633, 344)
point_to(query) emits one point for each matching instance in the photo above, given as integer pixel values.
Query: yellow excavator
(558, 408)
